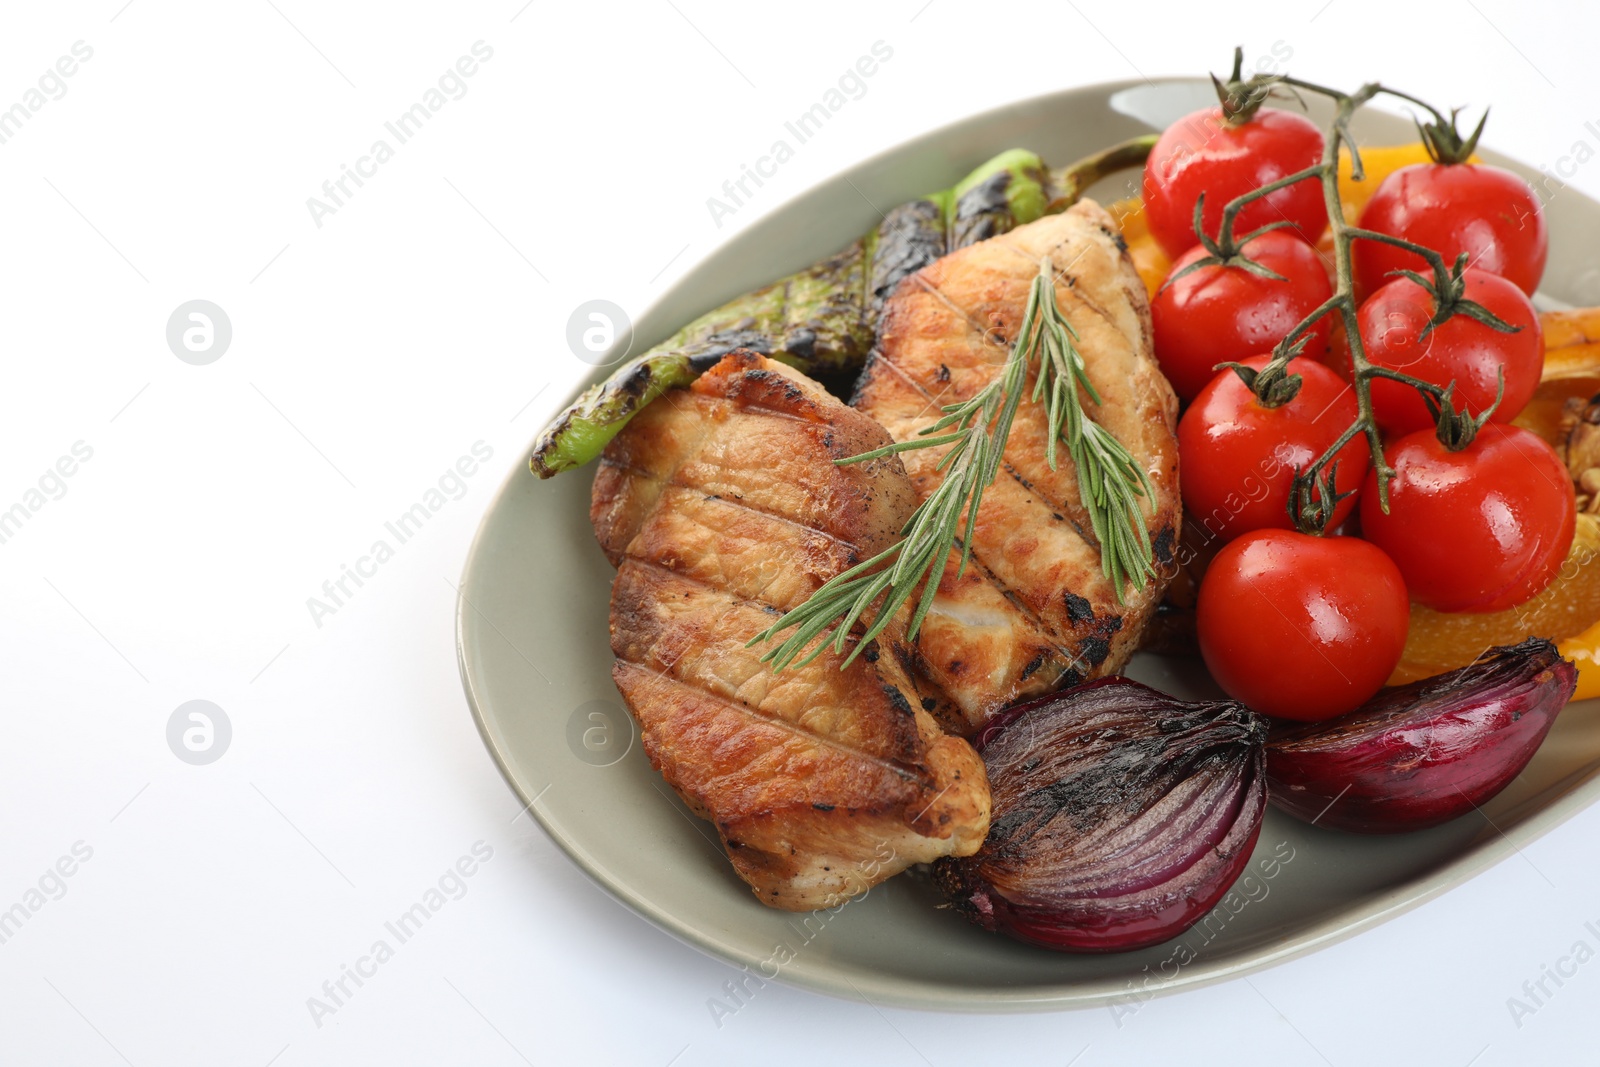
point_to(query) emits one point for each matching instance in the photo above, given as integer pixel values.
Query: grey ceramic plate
(536, 662)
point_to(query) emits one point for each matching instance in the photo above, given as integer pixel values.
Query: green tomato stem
(1315, 514)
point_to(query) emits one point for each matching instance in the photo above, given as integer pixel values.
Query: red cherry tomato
(1490, 214)
(1462, 350)
(1483, 529)
(1302, 627)
(1238, 457)
(1203, 153)
(1217, 314)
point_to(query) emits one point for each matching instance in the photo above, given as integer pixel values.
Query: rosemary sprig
(1109, 478)
(977, 430)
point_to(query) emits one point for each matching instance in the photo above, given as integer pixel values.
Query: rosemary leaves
(976, 431)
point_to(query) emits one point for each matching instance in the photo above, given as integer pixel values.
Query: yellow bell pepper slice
(1584, 651)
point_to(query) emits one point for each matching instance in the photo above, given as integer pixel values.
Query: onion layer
(1421, 754)
(1120, 817)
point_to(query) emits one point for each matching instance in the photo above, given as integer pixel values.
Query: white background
(427, 314)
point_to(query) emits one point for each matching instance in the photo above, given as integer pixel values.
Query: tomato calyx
(1314, 497)
(1225, 250)
(1240, 98)
(1448, 289)
(1272, 386)
(1443, 140)
(1458, 429)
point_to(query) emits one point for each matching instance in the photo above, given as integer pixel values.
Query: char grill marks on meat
(1034, 610)
(722, 508)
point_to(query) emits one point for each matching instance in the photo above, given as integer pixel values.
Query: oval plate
(536, 663)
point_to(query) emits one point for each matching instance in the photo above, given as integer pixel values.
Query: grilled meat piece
(722, 507)
(1034, 610)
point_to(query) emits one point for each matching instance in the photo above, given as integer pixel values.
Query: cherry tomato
(1238, 456)
(1490, 214)
(1461, 350)
(1482, 529)
(1217, 314)
(1302, 627)
(1204, 153)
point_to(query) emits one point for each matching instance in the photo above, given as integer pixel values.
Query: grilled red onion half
(1120, 817)
(1421, 754)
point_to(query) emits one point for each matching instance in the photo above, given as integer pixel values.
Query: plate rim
(1574, 793)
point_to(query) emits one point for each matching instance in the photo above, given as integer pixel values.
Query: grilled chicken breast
(722, 507)
(1034, 610)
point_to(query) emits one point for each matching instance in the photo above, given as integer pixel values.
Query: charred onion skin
(1418, 755)
(1120, 817)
